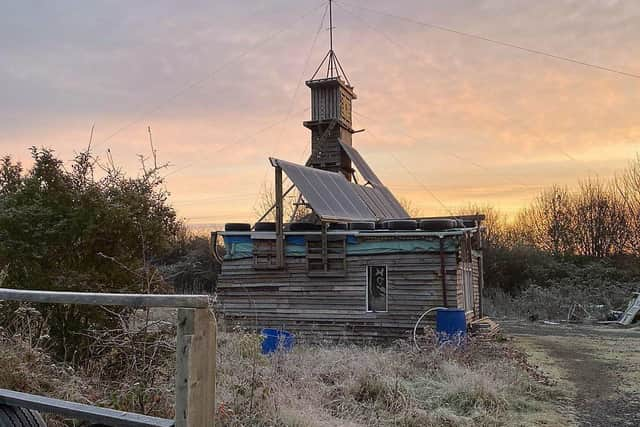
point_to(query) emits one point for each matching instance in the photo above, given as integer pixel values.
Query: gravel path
(599, 364)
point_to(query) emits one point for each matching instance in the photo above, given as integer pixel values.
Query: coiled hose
(415, 328)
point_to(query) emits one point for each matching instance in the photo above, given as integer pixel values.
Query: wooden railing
(195, 355)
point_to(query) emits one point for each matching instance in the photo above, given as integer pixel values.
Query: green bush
(68, 229)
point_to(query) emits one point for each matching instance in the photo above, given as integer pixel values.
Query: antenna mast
(334, 68)
(331, 25)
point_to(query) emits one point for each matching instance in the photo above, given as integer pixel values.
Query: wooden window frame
(386, 286)
(467, 287)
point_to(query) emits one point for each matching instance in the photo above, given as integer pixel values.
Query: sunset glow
(469, 121)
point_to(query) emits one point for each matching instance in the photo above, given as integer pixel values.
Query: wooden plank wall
(334, 308)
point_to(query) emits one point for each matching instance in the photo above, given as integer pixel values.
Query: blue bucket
(273, 339)
(451, 324)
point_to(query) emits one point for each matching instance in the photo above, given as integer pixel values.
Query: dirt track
(597, 366)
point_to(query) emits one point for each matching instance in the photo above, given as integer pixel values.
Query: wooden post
(480, 282)
(443, 273)
(325, 247)
(196, 368)
(279, 219)
(183, 346)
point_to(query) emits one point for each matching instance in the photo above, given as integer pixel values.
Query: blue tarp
(242, 247)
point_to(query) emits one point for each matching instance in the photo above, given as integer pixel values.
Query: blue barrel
(451, 324)
(272, 339)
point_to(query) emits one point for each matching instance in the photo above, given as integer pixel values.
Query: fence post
(183, 346)
(201, 371)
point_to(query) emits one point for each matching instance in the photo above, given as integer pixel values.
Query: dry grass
(481, 384)
(554, 302)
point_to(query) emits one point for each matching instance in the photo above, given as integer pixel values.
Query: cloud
(465, 116)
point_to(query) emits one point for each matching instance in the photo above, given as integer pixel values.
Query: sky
(450, 120)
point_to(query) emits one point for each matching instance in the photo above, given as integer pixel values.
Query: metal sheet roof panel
(330, 195)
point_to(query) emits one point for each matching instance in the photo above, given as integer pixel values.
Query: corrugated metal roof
(330, 195)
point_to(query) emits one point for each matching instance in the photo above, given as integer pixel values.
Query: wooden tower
(331, 98)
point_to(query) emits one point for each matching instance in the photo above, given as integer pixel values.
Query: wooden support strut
(291, 187)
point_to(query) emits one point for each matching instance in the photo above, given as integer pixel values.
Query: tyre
(11, 416)
(264, 226)
(401, 224)
(237, 226)
(304, 226)
(362, 226)
(337, 226)
(469, 223)
(438, 224)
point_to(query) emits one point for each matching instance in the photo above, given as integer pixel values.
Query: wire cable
(415, 178)
(233, 143)
(418, 56)
(212, 74)
(505, 178)
(497, 42)
(303, 71)
(293, 98)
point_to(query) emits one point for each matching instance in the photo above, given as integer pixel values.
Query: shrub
(68, 230)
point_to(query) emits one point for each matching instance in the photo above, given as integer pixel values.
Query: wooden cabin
(349, 284)
(357, 267)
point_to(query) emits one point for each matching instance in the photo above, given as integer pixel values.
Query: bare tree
(548, 222)
(413, 210)
(600, 220)
(497, 230)
(627, 185)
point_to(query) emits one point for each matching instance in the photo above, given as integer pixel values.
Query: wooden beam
(443, 273)
(325, 249)
(480, 283)
(91, 298)
(279, 219)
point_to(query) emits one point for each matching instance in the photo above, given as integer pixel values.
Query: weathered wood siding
(335, 307)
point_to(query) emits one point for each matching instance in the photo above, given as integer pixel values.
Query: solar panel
(392, 203)
(363, 167)
(330, 195)
(379, 199)
(381, 202)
